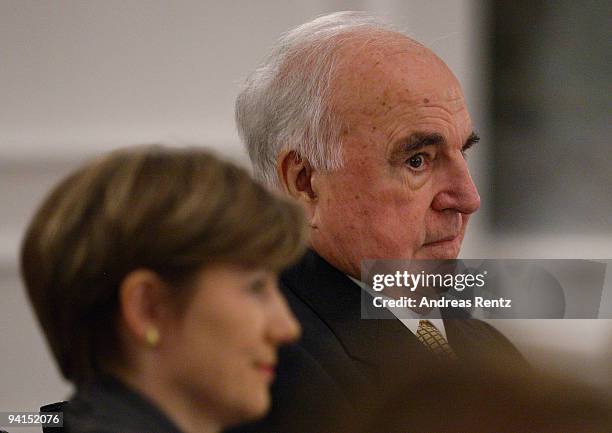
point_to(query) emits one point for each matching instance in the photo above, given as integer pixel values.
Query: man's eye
(417, 162)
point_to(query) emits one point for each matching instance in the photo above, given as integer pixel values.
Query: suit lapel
(337, 301)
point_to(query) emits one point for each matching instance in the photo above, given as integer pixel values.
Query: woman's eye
(417, 162)
(258, 287)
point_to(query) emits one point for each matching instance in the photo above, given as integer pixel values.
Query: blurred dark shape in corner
(483, 397)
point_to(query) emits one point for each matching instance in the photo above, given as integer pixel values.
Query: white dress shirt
(412, 323)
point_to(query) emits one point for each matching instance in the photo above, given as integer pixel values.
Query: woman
(153, 272)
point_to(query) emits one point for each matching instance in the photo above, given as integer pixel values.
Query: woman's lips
(266, 368)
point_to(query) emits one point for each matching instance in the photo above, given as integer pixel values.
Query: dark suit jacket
(343, 366)
(109, 406)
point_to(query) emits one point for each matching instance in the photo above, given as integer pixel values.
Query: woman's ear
(296, 177)
(143, 306)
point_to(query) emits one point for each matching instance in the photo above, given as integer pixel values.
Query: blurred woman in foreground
(153, 274)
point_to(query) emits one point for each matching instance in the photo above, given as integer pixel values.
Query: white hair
(284, 104)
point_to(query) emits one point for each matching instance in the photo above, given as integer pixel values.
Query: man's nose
(458, 191)
(284, 327)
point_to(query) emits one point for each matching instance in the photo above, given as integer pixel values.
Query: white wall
(81, 77)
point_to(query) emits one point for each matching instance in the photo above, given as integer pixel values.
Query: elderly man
(368, 130)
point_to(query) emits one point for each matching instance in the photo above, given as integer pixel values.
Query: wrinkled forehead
(376, 74)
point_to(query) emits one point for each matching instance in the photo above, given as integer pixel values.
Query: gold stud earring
(152, 336)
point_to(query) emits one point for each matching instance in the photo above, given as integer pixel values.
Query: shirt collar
(409, 318)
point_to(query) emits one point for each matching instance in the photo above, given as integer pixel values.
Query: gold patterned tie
(431, 337)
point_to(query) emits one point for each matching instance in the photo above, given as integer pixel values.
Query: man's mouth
(441, 241)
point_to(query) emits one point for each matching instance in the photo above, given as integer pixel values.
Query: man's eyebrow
(471, 140)
(419, 140)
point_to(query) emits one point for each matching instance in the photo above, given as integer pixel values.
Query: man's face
(404, 190)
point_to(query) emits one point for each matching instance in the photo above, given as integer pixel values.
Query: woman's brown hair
(165, 209)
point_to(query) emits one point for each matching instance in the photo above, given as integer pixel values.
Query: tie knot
(433, 339)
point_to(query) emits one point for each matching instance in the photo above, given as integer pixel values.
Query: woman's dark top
(109, 406)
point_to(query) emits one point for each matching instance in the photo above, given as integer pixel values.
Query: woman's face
(221, 350)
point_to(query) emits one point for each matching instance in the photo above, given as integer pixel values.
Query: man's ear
(297, 179)
(295, 174)
(143, 306)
